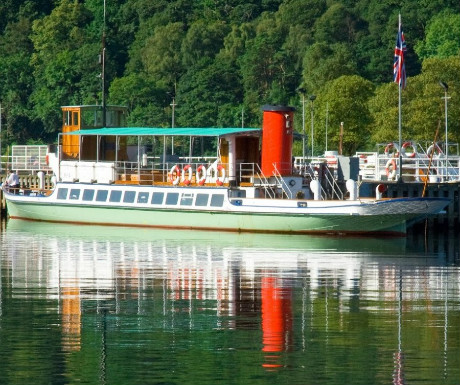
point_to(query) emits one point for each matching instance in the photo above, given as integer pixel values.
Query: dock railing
(381, 167)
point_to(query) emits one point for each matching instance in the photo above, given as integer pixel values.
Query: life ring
(363, 158)
(391, 174)
(47, 160)
(388, 149)
(434, 148)
(174, 179)
(201, 175)
(187, 179)
(220, 180)
(410, 154)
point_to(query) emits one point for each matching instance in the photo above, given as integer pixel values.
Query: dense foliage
(223, 59)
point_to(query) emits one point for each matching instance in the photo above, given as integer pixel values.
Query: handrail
(266, 184)
(280, 181)
(375, 167)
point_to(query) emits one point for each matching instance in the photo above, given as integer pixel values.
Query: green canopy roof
(155, 131)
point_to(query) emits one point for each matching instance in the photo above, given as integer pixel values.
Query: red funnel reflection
(276, 320)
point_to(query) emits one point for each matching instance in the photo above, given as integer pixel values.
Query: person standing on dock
(13, 182)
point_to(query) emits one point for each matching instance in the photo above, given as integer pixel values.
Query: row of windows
(157, 198)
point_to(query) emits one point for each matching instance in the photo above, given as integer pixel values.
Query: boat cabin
(85, 117)
(252, 158)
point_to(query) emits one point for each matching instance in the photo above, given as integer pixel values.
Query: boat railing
(330, 181)
(263, 182)
(280, 181)
(246, 174)
(25, 159)
(174, 173)
(415, 168)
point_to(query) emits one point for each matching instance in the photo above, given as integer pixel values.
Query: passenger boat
(97, 182)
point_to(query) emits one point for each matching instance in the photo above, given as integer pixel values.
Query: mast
(104, 106)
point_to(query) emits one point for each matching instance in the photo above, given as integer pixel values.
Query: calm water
(92, 305)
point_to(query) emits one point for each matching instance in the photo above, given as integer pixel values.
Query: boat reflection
(219, 276)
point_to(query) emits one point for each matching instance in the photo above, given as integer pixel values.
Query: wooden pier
(26, 181)
(451, 190)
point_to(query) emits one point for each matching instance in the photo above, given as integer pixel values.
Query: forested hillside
(223, 59)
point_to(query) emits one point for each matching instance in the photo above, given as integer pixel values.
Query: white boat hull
(388, 216)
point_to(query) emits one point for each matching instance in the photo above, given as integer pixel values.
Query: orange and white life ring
(434, 149)
(220, 180)
(389, 147)
(390, 169)
(186, 179)
(201, 175)
(412, 154)
(174, 175)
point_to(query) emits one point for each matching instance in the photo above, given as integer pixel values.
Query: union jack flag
(399, 67)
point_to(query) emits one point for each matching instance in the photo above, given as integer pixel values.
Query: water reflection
(313, 309)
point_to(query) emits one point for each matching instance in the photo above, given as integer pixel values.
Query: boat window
(143, 197)
(217, 200)
(74, 193)
(157, 198)
(62, 193)
(201, 199)
(115, 196)
(172, 198)
(75, 118)
(67, 118)
(101, 195)
(186, 199)
(88, 195)
(129, 197)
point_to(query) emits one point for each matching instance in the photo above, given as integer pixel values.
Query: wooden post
(341, 139)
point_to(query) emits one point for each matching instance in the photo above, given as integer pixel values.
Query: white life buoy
(408, 154)
(389, 147)
(220, 180)
(434, 149)
(390, 169)
(187, 179)
(201, 175)
(174, 175)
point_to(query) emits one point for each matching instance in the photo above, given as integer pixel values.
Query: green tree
(324, 62)
(347, 101)
(441, 38)
(425, 100)
(145, 101)
(383, 106)
(422, 105)
(267, 70)
(16, 82)
(336, 24)
(65, 64)
(207, 93)
(203, 39)
(161, 56)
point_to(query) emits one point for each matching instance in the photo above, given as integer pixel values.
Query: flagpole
(400, 84)
(399, 129)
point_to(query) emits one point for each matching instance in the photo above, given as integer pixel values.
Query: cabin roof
(156, 131)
